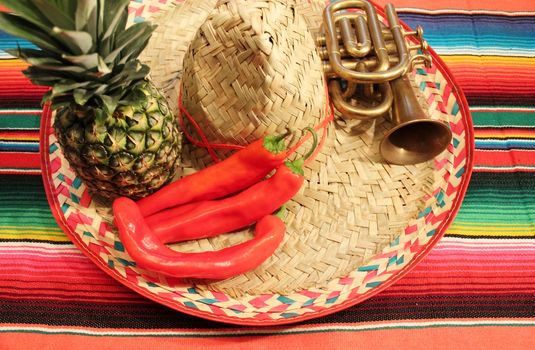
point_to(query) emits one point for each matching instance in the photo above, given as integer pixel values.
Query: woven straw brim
(356, 226)
(352, 205)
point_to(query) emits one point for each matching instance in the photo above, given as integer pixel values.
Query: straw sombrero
(247, 68)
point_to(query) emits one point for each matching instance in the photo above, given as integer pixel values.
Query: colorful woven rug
(476, 289)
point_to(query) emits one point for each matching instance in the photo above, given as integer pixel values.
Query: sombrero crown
(252, 69)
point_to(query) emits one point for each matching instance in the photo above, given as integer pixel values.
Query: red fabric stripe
(493, 78)
(24, 160)
(14, 85)
(504, 158)
(443, 337)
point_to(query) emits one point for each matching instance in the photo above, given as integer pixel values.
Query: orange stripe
(480, 337)
(498, 63)
(493, 5)
(13, 63)
(4, 137)
(504, 133)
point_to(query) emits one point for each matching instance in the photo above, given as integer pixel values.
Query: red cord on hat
(211, 146)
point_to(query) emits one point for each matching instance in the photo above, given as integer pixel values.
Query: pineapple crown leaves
(86, 52)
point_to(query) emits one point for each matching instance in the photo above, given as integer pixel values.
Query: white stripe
(21, 111)
(39, 246)
(5, 56)
(61, 255)
(466, 12)
(16, 170)
(20, 129)
(285, 331)
(500, 151)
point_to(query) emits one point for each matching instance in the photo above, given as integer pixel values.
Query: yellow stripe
(37, 228)
(22, 138)
(34, 234)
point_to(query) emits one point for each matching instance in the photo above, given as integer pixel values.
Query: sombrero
(358, 223)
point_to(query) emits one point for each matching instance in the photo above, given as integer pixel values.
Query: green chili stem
(314, 142)
(275, 144)
(281, 212)
(283, 136)
(297, 165)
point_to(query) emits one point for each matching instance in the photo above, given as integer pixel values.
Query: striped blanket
(476, 288)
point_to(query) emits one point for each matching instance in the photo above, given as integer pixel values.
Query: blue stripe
(505, 144)
(8, 41)
(479, 31)
(19, 146)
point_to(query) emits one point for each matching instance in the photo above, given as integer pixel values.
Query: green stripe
(18, 121)
(36, 229)
(499, 198)
(24, 213)
(523, 217)
(14, 207)
(23, 203)
(522, 207)
(502, 118)
(42, 222)
(492, 220)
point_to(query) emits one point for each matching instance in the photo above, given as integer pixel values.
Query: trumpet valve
(424, 59)
(422, 45)
(418, 32)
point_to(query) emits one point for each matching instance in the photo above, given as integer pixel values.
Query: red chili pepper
(209, 218)
(239, 171)
(150, 253)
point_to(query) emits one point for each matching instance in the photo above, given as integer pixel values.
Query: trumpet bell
(414, 137)
(415, 141)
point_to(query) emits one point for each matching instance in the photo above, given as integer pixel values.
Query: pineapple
(114, 127)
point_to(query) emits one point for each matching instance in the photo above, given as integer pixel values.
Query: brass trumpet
(367, 64)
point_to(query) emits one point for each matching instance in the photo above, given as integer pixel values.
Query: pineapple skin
(131, 153)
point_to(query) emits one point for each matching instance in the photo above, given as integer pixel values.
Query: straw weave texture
(251, 69)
